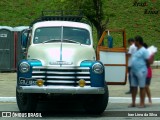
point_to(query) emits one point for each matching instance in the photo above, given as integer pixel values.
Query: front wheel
(26, 102)
(96, 104)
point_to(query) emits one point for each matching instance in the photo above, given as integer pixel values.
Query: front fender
(28, 74)
(97, 80)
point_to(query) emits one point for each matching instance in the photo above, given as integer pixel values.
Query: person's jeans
(138, 78)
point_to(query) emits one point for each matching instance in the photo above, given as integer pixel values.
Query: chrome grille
(62, 76)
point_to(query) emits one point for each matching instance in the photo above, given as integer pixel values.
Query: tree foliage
(120, 13)
(93, 11)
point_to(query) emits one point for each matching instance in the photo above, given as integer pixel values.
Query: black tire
(96, 104)
(26, 102)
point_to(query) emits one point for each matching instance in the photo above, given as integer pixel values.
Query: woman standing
(139, 71)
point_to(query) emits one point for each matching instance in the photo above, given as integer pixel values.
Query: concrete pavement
(8, 86)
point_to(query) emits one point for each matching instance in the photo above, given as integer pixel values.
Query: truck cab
(60, 59)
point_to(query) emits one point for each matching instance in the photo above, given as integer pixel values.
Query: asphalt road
(72, 111)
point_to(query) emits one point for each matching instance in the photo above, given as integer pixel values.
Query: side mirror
(24, 38)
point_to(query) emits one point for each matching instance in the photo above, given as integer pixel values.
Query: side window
(29, 39)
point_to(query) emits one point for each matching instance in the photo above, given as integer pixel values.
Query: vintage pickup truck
(61, 59)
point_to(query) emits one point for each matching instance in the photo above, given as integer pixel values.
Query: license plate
(27, 81)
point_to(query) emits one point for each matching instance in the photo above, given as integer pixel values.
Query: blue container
(110, 41)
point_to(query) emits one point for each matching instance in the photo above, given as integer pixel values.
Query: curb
(111, 99)
(7, 99)
(129, 100)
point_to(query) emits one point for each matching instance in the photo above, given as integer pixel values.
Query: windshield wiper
(52, 40)
(72, 41)
(58, 40)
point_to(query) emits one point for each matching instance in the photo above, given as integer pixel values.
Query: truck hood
(57, 54)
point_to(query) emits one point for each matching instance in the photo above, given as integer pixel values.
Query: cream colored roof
(61, 23)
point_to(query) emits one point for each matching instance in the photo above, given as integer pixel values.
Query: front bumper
(61, 89)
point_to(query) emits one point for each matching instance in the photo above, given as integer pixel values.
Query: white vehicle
(61, 60)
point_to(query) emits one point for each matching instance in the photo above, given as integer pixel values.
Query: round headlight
(24, 67)
(97, 68)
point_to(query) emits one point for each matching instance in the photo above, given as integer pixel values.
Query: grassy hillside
(123, 14)
(133, 19)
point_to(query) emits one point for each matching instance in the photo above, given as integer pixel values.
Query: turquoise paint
(97, 80)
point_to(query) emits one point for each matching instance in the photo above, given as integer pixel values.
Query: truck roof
(61, 23)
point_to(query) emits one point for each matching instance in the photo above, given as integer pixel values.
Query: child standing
(148, 82)
(149, 76)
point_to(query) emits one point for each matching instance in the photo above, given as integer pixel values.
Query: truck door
(114, 57)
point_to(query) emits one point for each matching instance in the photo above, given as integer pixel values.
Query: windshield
(67, 34)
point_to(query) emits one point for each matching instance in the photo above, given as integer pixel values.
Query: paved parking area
(8, 86)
